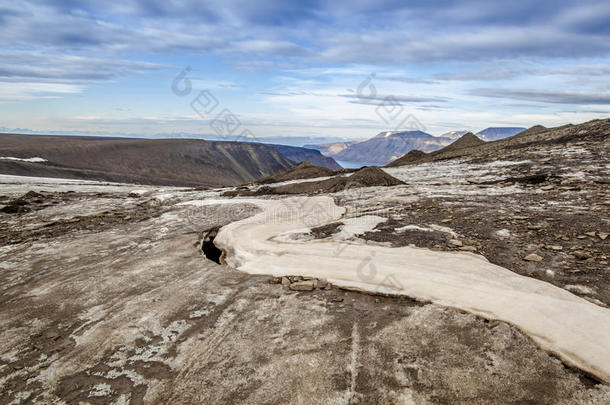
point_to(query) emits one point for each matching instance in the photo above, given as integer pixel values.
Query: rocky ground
(106, 297)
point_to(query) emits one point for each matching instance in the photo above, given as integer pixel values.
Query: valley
(363, 290)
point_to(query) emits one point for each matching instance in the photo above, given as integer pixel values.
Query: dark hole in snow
(210, 251)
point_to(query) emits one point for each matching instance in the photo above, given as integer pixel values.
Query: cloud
(300, 57)
(28, 65)
(507, 71)
(26, 75)
(313, 32)
(545, 96)
(391, 99)
(405, 79)
(262, 46)
(32, 90)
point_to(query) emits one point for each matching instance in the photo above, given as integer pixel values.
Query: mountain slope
(389, 145)
(298, 155)
(495, 133)
(592, 131)
(179, 162)
(454, 149)
(468, 140)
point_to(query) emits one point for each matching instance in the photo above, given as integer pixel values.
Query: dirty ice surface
(572, 328)
(31, 160)
(15, 185)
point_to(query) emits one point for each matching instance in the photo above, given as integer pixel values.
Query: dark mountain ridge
(177, 162)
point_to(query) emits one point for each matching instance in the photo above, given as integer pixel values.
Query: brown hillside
(180, 162)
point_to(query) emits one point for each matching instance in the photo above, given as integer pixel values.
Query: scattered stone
(550, 273)
(534, 227)
(503, 233)
(276, 280)
(455, 242)
(581, 254)
(579, 289)
(475, 181)
(285, 281)
(302, 286)
(556, 248)
(322, 283)
(468, 248)
(592, 234)
(602, 235)
(51, 335)
(547, 188)
(596, 301)
(581, 237)
(446, 220)
(533, 257)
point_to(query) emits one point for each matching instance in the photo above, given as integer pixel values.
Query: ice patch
(443, 229)
(31, 160)
(412, 228)
(572, 328)
(199, 313)
(357, 226)
(580, 289)
(100, 390)
(430, 228)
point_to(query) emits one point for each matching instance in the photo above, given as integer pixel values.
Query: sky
(344, 69)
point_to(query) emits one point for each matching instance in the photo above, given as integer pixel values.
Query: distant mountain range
(178, 162)
(198, 162)
(390, 145)
(330, 149)
(495, 133)
(470, 145)
(278, 140)
(384, 147)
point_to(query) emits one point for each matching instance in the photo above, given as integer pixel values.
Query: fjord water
(354, 165)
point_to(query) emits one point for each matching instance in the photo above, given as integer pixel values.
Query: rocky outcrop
(365, 177)
(303, 170)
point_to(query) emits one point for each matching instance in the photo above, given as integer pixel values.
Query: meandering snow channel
(560, 322)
